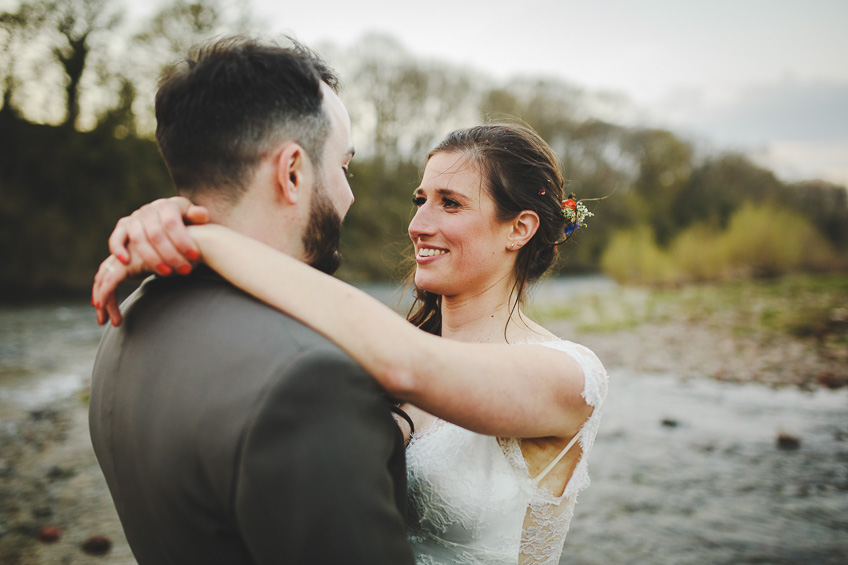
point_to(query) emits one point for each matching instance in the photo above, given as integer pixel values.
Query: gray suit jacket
(230, 433)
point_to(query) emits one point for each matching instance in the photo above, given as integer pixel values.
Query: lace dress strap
(541, 476)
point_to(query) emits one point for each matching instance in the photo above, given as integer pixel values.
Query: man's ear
(293, 171)
(522, 229)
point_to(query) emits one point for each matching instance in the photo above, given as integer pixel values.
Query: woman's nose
(421, 223)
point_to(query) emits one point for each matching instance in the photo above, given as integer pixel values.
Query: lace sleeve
(548, 517)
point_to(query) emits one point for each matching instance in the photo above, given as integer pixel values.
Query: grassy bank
(787, 331)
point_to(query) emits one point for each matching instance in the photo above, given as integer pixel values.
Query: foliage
(633, 256)
(60, 195)
(665, 215)
(770, 241)
(760, 241)
(374, 240)
(699, 253)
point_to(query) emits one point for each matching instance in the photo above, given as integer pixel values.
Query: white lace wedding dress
(472, 499)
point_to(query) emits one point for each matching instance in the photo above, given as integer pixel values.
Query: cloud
(799, 129)
(779, 112)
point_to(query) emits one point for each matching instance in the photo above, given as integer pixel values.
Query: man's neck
(256, 219)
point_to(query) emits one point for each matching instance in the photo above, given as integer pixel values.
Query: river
(683, 472)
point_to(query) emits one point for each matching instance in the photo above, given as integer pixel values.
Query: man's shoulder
(211, 305)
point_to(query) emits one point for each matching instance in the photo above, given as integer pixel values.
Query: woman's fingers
(104, 293)
(144, 234)
(171, 239)
(118, 240)
(104, 296)
(157, 232)
(113, 310)
(197, 215)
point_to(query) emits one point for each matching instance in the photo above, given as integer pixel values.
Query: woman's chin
(425, 282)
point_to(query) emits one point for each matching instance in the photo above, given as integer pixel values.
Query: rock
(57, 472)
(44, 414)
(97, 545)
(786, 441)
(829, 379)
(48, 534)
(42, 511)
(669, 423)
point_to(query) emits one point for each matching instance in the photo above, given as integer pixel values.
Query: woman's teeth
(430, 252)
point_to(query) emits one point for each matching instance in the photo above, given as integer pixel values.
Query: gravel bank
(53, 498)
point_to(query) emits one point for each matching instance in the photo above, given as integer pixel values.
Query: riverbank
(786, 332)
(665, 354)
(55, 506)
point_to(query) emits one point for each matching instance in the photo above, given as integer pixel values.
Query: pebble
(57, 472)
(97, 545)
(829, 379)
(48, 534)
(786, 441)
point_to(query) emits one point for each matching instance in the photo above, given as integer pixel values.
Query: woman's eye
(450, 203)
(418, 200)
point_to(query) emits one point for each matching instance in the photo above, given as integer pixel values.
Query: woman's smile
(427, 254)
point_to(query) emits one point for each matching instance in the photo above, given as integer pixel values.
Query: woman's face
(460, 246)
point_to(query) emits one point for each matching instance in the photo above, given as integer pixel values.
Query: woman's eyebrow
(441, 192)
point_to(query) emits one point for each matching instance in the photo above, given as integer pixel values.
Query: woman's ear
(291, 172)
(522, 229)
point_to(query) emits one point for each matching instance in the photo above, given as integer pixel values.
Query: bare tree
(177, 26)
(16, 29)
(169, 34)
(78, 22)
(406, 104)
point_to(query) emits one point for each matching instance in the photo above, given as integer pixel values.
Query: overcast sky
(768, 76)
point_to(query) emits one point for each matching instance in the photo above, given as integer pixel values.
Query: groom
(228, 432)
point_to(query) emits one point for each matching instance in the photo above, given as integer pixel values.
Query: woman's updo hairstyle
(520, 172)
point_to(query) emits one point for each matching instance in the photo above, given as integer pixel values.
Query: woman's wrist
(204, 236)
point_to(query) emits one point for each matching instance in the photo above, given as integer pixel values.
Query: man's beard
(323, 232)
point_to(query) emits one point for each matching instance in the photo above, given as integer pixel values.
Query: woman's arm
(502, 390)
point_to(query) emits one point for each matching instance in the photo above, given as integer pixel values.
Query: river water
(683, 472)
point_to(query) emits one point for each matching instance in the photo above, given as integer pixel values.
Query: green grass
(814, 306)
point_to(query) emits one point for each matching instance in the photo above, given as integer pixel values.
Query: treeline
(76, 151)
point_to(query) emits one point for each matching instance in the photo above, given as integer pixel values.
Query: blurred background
(717, 130)
(712, 281)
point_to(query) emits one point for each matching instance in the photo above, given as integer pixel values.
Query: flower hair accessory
(575, 214)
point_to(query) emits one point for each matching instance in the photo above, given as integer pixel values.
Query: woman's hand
(154, 238)
(157, 233)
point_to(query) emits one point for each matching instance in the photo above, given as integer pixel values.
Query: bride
(504, 413)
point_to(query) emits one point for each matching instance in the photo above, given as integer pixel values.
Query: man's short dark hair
(220, 110)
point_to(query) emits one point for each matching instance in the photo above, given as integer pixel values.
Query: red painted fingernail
(163, 269)
(183, 269)
(97, 305)
(122, 258)
(92, 301)
(192, 255)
